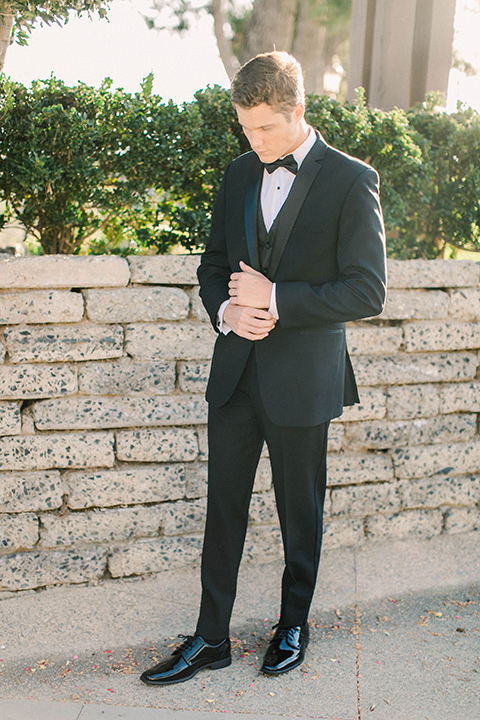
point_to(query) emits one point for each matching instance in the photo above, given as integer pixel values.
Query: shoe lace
(284, 633)
(188, 641)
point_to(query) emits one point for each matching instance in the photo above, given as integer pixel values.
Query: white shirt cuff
(222, 326)
(273, 310)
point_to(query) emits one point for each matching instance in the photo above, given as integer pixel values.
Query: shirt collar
(302, 151)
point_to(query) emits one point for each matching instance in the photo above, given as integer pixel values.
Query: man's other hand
(250, 288)
(247, 322)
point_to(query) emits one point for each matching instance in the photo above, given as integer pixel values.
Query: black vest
(265, 240)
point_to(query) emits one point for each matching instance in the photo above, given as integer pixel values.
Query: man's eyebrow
(260, 127)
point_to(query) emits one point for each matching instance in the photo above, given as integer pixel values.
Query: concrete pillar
(399, 51)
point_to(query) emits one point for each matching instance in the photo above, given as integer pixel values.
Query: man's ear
(299, 112)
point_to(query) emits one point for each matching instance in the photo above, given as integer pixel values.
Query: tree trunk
(271, 27)
(6, 24)
(309, 45)
(230, 61)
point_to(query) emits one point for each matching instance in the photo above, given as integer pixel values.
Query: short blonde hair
(274, 78)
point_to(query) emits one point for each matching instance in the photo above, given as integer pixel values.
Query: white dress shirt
(275, 189)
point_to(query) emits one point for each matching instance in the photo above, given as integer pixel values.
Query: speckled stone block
(435, 336)
(184, 518)
(113, 412)
(342, 532)
(40, 306)
(263, 544)
(406, 402)
(460, 519)
(377, 435)
(405, 369)
(10, 418)
(133, 304)
(125, 486)
(3, 352)
(460, 397)
(197, 309)
(363, 500)
(443, 429)
(196, 474)
(415, 305)
(25, 491)
(202, 434)
(383, 435)
(157, 445)
(410, 523)
(61, 343)
(465, 304)
(193, 376)
(63, 271)
(18, 532)
(146, 556)
(372, 406)
(432, 274)
(356, 468)
(439, 490)
(22, 571)
(374, 340)
(336, 436)
(56, 450)
(127, 377)
(414, 462)
(99, 526)
(263, 476)
(164, 269)
(183, 341)
(263, 509)
(37, 381)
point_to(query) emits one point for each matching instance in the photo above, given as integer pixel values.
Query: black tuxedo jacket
(329, 266)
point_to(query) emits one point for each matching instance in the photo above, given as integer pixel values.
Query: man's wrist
(222, 326)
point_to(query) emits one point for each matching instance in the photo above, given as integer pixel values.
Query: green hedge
(102, 170)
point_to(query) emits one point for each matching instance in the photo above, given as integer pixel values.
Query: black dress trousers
(236, 432)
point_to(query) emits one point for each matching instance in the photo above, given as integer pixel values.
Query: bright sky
(126, 50)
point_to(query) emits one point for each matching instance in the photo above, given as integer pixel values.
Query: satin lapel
(251, 203)
(309, 170)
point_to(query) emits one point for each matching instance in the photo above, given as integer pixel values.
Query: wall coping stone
(63, 271)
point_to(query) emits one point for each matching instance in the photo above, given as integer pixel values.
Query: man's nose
(255, 142)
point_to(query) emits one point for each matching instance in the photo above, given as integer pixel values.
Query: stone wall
(103, 365)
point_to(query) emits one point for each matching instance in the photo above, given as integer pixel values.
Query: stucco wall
(103, 365)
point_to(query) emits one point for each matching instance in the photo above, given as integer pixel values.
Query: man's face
(271, 134)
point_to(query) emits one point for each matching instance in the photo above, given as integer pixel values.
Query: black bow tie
(288, 162)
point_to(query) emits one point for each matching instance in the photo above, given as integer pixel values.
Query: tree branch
(6, 24)
(218, 12)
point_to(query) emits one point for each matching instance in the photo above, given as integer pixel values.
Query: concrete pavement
(395, 635)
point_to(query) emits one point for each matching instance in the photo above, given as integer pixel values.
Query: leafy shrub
(75, 161)
(449, 206)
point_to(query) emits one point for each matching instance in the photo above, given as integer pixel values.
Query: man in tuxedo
(296, 249)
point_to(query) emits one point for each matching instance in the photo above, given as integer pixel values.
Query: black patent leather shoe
(192, 655)
(286, 650)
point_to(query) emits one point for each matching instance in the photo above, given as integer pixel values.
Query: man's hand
(247, 322)
(249, 288)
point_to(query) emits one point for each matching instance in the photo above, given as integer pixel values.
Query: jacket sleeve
(360, 287)
(214, 270)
